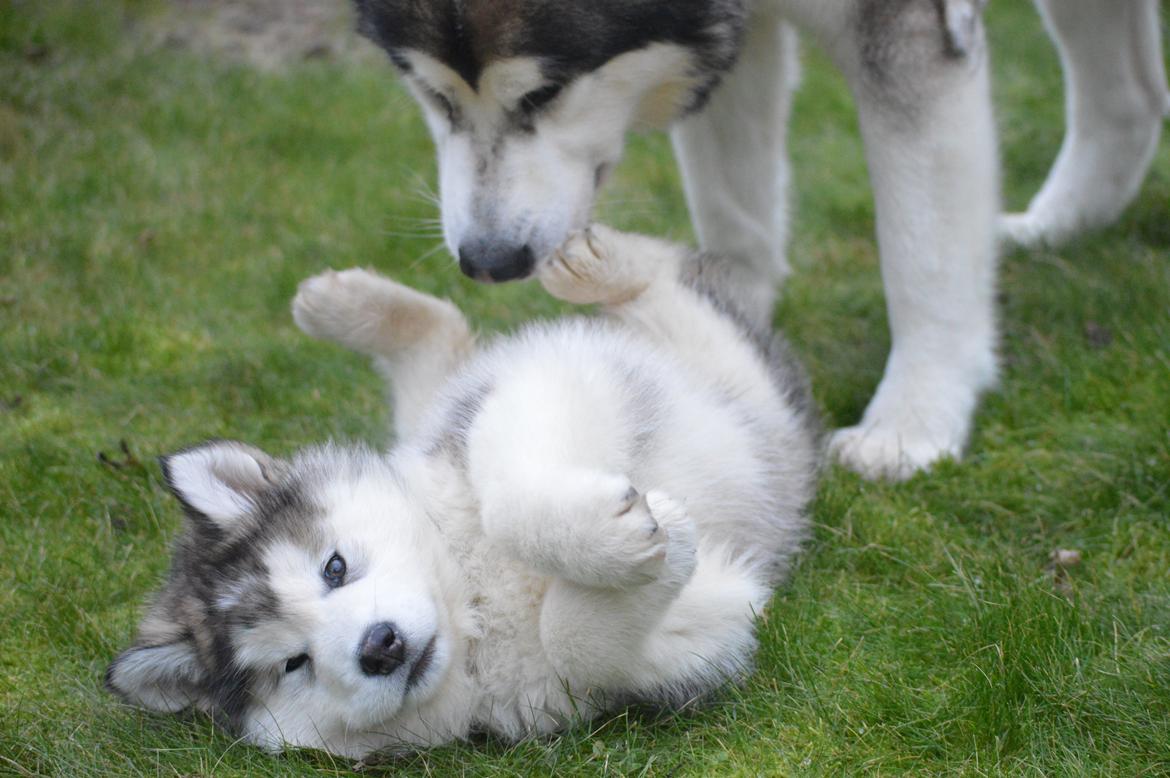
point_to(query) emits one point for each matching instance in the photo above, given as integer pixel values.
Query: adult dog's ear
(219, 482)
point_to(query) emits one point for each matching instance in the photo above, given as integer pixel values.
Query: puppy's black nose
(382, 650)
(490, 261)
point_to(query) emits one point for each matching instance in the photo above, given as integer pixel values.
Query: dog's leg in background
(919, 73)
(1116, 100)
(416, 340)
(735, 166)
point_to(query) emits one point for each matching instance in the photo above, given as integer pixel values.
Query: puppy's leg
(416, 340)
(679, 635)
(547, 461)
(639, 281)
(734, 163)
(1115, 102)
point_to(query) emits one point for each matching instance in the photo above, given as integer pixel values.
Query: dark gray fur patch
(451, 440)
(570, 38)
(208, 564)
(901, 41)
(718, 278)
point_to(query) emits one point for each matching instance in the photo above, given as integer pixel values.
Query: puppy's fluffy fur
(588, 513)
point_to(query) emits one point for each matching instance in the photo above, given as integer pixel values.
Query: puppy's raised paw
(341, 306)
(597, 265)
(368, 312)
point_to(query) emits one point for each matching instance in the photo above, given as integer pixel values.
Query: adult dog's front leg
(921, 83)
(735, 165)
(1115, 102)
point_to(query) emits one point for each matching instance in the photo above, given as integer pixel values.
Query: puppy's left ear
(220, 481)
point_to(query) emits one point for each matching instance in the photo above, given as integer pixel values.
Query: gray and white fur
(587, 513)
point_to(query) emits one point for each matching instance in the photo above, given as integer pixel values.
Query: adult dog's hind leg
(1115, 102)
(416, 340)
(734, 161)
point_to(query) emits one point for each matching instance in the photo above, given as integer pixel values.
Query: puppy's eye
(538, 98)
(295, 663)
(334, 570)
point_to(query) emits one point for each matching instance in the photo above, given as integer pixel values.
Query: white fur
(216, 480)
(1116, 100)
(627, 495)
(400, 573)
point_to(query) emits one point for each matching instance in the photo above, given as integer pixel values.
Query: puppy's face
(303, 607)
(529, 102)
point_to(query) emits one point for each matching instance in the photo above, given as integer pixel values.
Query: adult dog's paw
(888, 453)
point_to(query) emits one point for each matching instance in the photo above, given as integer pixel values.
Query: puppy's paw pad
(333, 304)
(637, 541)
(592, 267)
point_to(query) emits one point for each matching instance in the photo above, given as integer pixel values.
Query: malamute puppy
(585, 514)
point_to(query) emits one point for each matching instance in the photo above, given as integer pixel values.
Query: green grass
(156, 214)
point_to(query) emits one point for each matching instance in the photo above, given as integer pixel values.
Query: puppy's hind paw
(368, 312)
(338, 306)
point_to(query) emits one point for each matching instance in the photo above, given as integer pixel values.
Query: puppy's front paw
(597, 265)
(633, 541)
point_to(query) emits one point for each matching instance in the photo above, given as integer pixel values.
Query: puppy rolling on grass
(583, 515)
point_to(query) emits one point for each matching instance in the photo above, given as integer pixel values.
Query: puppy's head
(529, 102)
(304, 604)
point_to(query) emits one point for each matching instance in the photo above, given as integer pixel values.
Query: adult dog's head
(529, 102)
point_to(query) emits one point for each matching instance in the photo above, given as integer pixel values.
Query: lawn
(157, 210)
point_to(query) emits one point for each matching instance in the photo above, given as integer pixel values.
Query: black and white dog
(529, 102)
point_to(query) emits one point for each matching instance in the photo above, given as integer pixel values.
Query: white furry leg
(930, 143)
(594, 635)
(1116, 99)
(735, 166)
(416, 340)
(637, 278)
(678, 637)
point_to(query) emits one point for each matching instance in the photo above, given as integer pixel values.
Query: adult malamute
(529, 102)
(585, 514)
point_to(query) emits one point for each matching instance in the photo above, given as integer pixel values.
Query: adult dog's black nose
(382, 650)
(491, 261)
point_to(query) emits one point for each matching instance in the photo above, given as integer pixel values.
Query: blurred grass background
(157, 209)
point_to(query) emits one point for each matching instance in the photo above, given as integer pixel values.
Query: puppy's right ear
(166, 677)
(220, 481)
